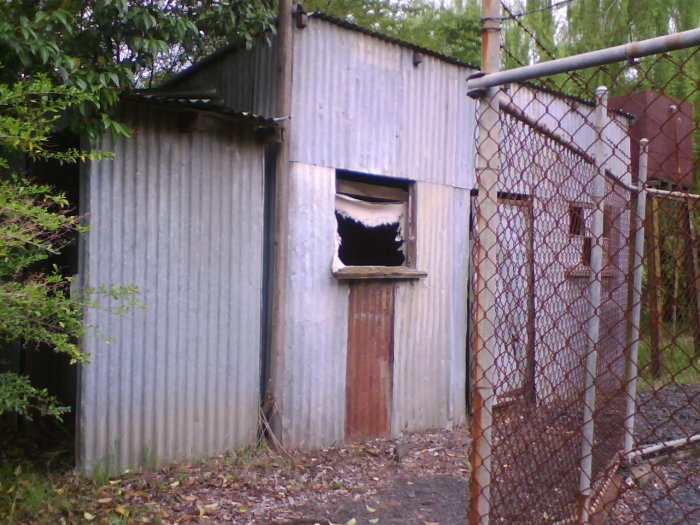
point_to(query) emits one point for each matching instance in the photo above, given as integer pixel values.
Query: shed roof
(207, 101)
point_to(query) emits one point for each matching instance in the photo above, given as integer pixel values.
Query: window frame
(376, 187)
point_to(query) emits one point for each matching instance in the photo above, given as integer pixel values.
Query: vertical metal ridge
(312, 395)
(425, 350)
(373, 86)
(169, 214)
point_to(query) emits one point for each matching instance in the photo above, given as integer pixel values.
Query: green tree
(63, 63)
(452, 31)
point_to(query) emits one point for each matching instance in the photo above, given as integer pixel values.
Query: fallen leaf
(88, 516)
(174, 484)
(370, 509)
(104, 501)
(374, 520)
(122, 510)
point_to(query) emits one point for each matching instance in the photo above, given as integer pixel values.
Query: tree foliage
(452, 31)
(63, 64)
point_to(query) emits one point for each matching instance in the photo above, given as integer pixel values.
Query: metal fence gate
(586, 352)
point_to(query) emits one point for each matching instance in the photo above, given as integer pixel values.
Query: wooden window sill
(379, 272)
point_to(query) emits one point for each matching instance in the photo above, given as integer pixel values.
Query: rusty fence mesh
(586, 365)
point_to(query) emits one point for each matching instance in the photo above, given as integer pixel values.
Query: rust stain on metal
(370, 359)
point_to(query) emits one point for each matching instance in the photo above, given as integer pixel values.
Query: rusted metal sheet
(668, 124)
(370, 359)
(180, 216)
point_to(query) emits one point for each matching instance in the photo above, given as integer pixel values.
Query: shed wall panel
(360, 104)
(245, 79)
(312, 375)
(431, 318)
(179, 216)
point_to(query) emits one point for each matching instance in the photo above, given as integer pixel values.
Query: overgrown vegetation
(63, 65)
(682, 366)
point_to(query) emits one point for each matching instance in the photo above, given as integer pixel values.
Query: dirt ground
(364, 482)
(419, 479)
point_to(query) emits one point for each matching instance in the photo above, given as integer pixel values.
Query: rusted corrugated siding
(370, 359)
(360, 104)
(180, 216)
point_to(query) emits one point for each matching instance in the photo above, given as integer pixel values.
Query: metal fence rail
(586, 355)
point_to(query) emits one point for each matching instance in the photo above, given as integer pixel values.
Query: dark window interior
(608, 221)
(365, 246)
(587, 249)
(577, 223)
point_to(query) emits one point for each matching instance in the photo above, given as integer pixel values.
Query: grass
(26, 488)
(682, 367)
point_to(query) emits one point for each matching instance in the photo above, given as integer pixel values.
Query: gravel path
(664, 490)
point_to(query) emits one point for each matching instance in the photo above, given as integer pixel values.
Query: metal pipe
(601, 57)
(594, 292)
(664, 445)
(679, 195)
(632, 370)
(282, 189)
(484, 350)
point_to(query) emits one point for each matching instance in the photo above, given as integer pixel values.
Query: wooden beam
(654, 291)
(692, 270)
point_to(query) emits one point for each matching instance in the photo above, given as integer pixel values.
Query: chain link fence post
(488, 165)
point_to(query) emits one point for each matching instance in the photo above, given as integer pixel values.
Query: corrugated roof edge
(573, 98)
(230, 48)
(199, 100)
(381, 36)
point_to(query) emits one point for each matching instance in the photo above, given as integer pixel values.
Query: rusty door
(370, 359)
(515, 304)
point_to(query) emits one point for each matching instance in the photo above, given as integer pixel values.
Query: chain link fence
(586, 367)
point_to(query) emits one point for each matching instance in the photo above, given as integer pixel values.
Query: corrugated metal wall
(430, 367)
(573, 120)
(246, 79)
(180, 216)
(311, 386)
(430, 334)
(360, 104)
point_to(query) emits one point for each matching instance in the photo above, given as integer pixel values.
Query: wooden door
(515, 303)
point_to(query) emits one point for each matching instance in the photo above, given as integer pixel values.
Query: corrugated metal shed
(431, 316)
(311, 384)
(180, 216)
(361, 104)
(244, 78)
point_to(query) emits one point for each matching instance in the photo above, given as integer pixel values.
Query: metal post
(594, 292)
(636, 301)
(281, 198)
(654, 288)
(488, 165)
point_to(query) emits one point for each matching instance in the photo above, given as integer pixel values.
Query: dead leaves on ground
(259, 486)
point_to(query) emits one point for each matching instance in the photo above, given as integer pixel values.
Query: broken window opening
(577, 222)
(373, 223)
